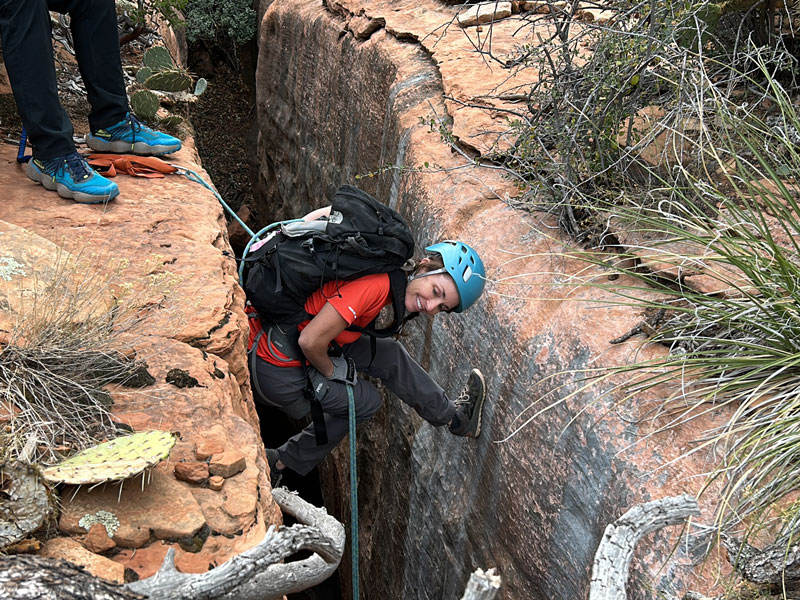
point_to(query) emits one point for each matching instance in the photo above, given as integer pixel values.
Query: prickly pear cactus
(157, 58)
(144, 104)
(111, 461)
(170, 122)
(143, 73)
(169, 81)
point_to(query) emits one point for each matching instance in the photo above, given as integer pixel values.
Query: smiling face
(431, 294)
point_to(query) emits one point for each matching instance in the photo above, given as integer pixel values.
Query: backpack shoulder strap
(397, 287)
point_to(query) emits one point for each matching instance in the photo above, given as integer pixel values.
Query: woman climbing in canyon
(327, 357)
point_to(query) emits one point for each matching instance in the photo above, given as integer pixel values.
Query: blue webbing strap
(23, 140)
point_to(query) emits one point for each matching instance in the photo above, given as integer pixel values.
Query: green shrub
(220, 20)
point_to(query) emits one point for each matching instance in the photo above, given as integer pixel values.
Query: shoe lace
(136, 126)
(76, 165)
(463, 398)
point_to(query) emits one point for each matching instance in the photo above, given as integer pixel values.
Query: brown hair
(434, 262)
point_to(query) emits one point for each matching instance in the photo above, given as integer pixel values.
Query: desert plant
(161, 78)
(73, 339)
(114, 460)
(219, 20)
(733, 340)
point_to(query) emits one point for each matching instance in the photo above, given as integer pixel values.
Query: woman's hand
(317, 336)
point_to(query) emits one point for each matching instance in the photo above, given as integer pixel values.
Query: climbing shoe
(275, 474)
(130, 136)
(469, 407)
(73, 178)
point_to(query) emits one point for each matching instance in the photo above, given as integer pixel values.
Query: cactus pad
(111, 461)
(143, 73)
(170, 122)
(158, 59)
(169, 81)
(144, 105)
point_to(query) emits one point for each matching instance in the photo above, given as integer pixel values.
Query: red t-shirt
(358, 302)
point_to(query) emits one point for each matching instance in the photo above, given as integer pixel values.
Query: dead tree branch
(482, 585)
(615, 552)
(26, 577)
(777, 564)
(254, 574)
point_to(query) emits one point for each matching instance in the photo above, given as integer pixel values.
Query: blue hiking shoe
(130, 136)
(73, 178)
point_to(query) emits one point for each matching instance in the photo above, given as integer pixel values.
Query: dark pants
(28, 54)
(391, 364)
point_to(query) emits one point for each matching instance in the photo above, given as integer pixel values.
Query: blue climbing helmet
(464, 265)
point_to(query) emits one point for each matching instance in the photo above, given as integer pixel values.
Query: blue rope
(254, 237)
(353, 491)
(192, 176)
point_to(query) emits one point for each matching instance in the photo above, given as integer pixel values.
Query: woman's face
(431, 294)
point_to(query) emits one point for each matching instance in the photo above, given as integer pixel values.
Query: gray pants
(284, 387)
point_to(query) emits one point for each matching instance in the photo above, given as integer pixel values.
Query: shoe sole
(120, 147)
(63, 191)
(477, 413)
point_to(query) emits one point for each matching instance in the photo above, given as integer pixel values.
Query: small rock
(484, 13)
(191, 472)
(227, 464)
(205, 449)
(364, 27)
(216, 482)
(97, 565)
(97, 539)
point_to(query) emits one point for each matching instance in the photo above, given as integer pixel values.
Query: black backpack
(361, 237)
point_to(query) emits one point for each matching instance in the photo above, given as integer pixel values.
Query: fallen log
(482, 585)
(777, 564)
(615, 552)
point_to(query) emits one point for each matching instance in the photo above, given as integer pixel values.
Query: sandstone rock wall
(345, 88)
(163, 241)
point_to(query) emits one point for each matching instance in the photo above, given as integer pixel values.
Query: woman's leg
(404, 376)
(284, 388)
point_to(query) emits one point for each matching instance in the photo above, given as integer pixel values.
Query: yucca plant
(721, 252)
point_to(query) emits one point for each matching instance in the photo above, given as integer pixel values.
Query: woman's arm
(317, 336)
(316, 214)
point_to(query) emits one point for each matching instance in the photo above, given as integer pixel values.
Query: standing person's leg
(28, 54)
(113, 128)
(94, 31)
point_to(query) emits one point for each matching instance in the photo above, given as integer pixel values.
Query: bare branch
(255, 574)
(615, 552)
